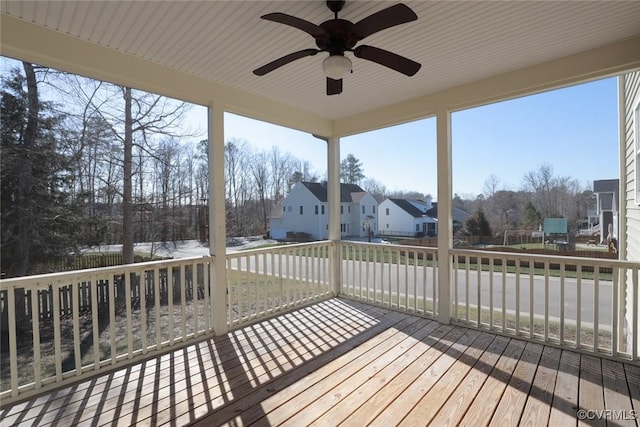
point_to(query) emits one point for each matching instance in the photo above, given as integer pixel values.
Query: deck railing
(58, 327)
(400, 277)
(262, 282)
(586, 304)
(61, 327)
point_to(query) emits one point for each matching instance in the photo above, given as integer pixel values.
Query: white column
(217, 226)
(333, 202)
(445, 231)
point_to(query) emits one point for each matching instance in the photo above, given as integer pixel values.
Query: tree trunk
(25, 178)
(127, 186)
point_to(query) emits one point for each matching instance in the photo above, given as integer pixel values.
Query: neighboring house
(607, 202)
(413, 218)
(407, 217)
(630, 162)
(305, 210)
(458, 215)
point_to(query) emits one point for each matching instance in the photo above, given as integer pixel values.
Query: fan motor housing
(339, 36)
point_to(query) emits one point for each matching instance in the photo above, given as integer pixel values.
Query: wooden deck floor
(342, 362)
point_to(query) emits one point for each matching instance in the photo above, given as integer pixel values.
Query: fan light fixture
(336, 66)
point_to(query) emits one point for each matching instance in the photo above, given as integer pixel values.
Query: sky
(574, 130)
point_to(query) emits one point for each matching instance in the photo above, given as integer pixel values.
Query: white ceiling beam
(25, 41)
(598, 63)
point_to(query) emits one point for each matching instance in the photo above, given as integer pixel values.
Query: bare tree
(491, 186)
(260, 171)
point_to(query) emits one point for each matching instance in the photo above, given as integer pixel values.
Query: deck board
(591, 389)
(537, 409)
(349, 363)
(564, 407)
(482, 409)
(515, 396)
(451, 413)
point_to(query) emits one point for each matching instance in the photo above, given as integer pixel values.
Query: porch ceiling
(204, 52)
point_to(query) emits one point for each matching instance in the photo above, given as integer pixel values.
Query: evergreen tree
(351, 171)
(477, 225)
(531, 218)
(38, 215)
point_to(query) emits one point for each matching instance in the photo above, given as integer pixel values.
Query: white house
(406, 217)
(413, 218)
(607, 202)
(305, 210)
(629, 248)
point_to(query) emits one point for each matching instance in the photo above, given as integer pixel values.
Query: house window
(341, 210)
(316, 209)
(301, 210)
(284, 209)
(387, 225)
(373, 208)
(362, 209)
(636, 119)
(322, 209)
(417, 227)
(349, 209)
(387, 211)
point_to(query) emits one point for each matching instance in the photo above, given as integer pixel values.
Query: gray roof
(606, 186)
(458, 214)
(319, 189)
(409, 208)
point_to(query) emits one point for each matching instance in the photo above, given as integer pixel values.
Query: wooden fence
(104, 289)
(84, 261)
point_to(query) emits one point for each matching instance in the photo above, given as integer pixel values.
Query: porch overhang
(67, 51)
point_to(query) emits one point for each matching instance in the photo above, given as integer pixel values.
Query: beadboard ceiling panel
(223, 41)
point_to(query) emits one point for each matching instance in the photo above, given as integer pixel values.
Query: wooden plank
(356, 391)
(616, 394)
(482, 409)
(262, 368)
(512, 403)
(591, 393)
(538, 407)
(333, 390)
(633, 382)
(376, 405)
(564, 407)
(325, 365)
(247, 404)
(430, 404)
(454, 409)
(225, 351)
(426, 379)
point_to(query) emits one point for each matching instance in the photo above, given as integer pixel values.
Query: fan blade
(292, 21)
(386, 18)
(388, 59)
(334, 87)
(267, 68)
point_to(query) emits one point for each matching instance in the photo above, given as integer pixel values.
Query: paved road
(390, 279)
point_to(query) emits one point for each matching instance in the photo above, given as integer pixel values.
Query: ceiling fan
(337, 36)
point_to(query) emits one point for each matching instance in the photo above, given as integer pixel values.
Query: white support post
(445, 222)
(217, 226)
(333, 202)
